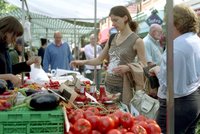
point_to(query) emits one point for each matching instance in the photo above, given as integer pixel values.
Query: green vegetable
(28, 91)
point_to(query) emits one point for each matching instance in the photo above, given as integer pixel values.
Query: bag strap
(110, 39)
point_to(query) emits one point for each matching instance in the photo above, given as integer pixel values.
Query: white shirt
(153, 50)
(186, 66)
(89, 53)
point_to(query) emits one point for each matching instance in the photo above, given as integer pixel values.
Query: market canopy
(74, 18)
(44, 26)
(71, 9)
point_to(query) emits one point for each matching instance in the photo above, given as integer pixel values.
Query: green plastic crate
(25, 121)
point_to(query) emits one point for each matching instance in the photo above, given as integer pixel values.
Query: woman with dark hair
(124, 47)
(10, 29)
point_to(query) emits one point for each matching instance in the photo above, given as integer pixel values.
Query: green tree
(5, 7)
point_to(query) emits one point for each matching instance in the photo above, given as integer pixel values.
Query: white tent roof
(54, 11)
(79, 9)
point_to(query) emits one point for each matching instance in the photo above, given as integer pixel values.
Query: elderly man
(57, 54)
(153, 48)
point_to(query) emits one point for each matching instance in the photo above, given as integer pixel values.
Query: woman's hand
(154, 71)
(121, 69)
(77, 63)
(34, 59)
(16, 81)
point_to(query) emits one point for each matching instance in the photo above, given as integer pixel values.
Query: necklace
(121, 38)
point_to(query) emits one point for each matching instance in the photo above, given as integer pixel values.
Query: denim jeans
(186, 112)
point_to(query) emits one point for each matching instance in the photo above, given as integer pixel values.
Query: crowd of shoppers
(121, 51)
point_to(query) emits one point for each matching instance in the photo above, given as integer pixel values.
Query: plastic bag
(38, 75)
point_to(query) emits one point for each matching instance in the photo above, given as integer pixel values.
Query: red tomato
(81, 98)
(140, 118)
(154, 128)
(137, 129)
(144, 124)
(115, 119)
(70, 115)
(105, 124)
(94, 120)
(88, 113)
(78, 111)
(95, 132)
(76, 116)
(113, 131)
(126, 120)
(71, 127)
(129, 133)
(122, 130)
(118, 113)
(151, 121)
(82, 126)
(94, 110)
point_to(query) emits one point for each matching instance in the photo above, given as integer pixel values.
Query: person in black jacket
(41, 50)
(10, 29)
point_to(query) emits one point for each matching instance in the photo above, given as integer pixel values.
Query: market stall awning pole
(47, 36)
(170, 68)
(23, 22)
(75, 33)
(95, 31)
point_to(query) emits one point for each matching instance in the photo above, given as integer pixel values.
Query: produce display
(91, 112)
(93, 120)
(105, 118)
(7, 97)
(7, 100)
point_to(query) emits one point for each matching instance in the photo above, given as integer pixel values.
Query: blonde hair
(185, 19)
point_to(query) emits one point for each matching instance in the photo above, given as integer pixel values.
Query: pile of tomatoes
(91, 121)
(52, 84)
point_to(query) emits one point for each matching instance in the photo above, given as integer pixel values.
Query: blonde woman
(186, 73)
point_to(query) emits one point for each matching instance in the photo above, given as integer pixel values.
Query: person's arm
(20, 67)
(140, 49)
(16, 81)
(95, 61)
(25, 66)
(70, 57)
